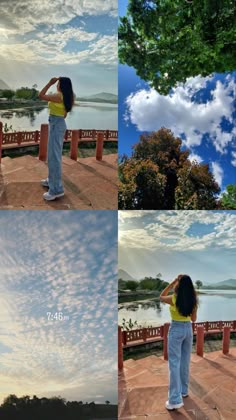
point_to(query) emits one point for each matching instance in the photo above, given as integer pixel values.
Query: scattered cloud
(49, 264)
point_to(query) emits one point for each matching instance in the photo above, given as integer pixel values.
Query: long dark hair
(186, 297)
(66, 89)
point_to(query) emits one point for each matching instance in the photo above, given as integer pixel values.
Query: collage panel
(58, 105)
(58, 326)
(176, 314)
(177, 116)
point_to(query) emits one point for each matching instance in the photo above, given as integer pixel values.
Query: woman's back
(175, 314)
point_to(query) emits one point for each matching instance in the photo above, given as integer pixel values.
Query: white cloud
(48, 265)
(50, 45)
(233, 162)
(217, 172)
(170, 231)
(150, 111)
(13, 14)
(195, 157)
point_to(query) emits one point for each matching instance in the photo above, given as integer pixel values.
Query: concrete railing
(29, 138)
(127, 339)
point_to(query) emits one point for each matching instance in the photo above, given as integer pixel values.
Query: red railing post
(43, 145)
(124, 337)
(144, 334)
(1, 138)
(165, 342)
(120, 349)
(226, 340)
(99, 146)
(200, 340)
(36, 137)
(74, 145)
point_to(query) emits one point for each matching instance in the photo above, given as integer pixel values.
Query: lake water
(214, 305)
(89, 115)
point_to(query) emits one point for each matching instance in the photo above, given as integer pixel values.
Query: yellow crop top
(57, 109)
(175, 315)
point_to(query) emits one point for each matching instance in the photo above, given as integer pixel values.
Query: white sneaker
(44, 183)
(173, 406)
(50, 197)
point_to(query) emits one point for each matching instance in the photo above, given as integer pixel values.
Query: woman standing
(183, 309)
(59, 105)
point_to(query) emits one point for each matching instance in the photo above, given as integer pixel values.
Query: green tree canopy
(7, 93)
(150, 283)
(228, 200)
(159, 175)
(132, 285)
(27, 93)
(169, 41)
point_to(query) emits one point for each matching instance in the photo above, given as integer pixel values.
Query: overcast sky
(41, 39)
(199, 243)
(58, 262)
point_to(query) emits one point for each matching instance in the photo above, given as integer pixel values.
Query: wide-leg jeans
(180, 339)
(57, 128)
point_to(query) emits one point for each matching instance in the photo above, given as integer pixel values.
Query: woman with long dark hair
(59, 105)
(183, 309)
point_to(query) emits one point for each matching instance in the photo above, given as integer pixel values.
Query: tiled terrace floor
(89, 184)
(143, 388)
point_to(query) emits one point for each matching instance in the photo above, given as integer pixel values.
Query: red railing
(200, 329)
(34, 136)
(143, 335)
(25, 138)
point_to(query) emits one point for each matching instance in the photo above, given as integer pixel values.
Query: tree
(159, 175)
(7, 93)
(27, 93)
(228, 199)
(198, 284)
(169, 41)
(132, 285)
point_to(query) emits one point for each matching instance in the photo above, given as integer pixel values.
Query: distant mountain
(100, 97)
(230, 283)
(3, 85)
(122, 274)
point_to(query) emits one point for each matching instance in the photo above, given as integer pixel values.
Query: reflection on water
(92, 116)
(213, 306)
(135, 306)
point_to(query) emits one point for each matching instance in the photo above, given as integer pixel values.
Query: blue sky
(202, 112)
(59, 262)
(199, 243)
(73, 38)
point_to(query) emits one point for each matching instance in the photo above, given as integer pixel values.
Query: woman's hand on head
(53, 80)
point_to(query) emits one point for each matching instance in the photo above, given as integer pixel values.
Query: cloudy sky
(202, 112)
(199, 243)
(58, 262)
(41, 39)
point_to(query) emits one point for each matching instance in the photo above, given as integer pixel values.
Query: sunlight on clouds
(55, 44)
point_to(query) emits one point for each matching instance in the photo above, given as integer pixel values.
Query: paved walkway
(143, 388)
(89, 184)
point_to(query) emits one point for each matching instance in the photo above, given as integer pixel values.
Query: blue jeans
(180, 339)
(57, 128)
